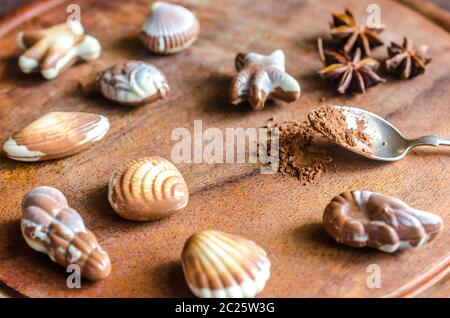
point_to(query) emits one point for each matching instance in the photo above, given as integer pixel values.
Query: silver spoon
(387, 143)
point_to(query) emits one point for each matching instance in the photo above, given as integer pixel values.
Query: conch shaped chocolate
(133, 83)
(364, 218)
(50, 226)
(147, 189)
(169, 28)
(221, 265)
(56, 135)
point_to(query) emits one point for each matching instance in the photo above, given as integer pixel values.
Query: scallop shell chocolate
(147, 189)
(56, 135)
(132, 83)
(221, 265)
(169, 28)
(50, 226)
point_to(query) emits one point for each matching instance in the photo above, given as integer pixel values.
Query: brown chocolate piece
(56, 135)
(262, 77)
(147, 189)
(222, 265)
(364, 218)
(50, 226)
(331, 123)
(131, 83)
(53, 50)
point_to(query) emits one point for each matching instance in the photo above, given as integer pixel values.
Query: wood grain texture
(431, 11)
(278, 213)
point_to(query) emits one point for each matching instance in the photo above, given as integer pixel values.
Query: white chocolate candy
(133, 83)
(52, 50)
(169, 28)
(262, 77)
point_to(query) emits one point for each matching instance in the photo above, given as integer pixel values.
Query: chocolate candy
(364, 218)
(50, 226)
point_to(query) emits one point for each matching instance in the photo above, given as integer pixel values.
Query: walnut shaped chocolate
(364, 218)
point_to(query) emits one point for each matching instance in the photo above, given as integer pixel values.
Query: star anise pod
(350, 75)
(350, 35)
(405, 61)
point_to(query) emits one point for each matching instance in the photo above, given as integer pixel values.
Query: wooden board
(278, 213)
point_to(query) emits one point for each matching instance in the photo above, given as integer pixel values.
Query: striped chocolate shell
(169, 28)
(50, 226)
(220, 265)
(133, 83)
(56, 135)
(147, 189)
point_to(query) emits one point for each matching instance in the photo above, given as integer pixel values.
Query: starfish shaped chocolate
(262, 77)
(405, 61)
(348, 33)
(349, 75)
(55, 49)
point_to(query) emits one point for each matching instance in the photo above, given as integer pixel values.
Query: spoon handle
(430, 140)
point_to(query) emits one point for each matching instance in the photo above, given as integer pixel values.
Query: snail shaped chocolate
(364, 218)
(169, 28)
(56, 135)
(53, 50)
(221, 265)
(147, 189)
(262, 77)
(50, 226)
(132, 83)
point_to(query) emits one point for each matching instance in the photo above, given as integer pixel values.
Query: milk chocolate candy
(50, 226)
(364, 218)
(147, 189)
(262, 77)
(130, 83)
(169, 28)
(53, 50)
(56, 135)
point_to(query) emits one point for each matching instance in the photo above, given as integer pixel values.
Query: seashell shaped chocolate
(169, 28)
(131, 83)
(50, 226)
(55, 49)
(56, 135)
(147, 189)
(221, 265)
(262, 77)
(364, 218)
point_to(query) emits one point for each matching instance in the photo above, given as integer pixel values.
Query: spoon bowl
(387, 142)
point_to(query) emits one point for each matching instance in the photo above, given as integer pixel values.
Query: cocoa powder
(300, 157)
(331, 123)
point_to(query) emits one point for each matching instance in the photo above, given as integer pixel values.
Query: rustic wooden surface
(278, 213)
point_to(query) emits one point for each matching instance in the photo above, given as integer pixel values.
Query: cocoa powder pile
(299, 156)
(331, 123)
